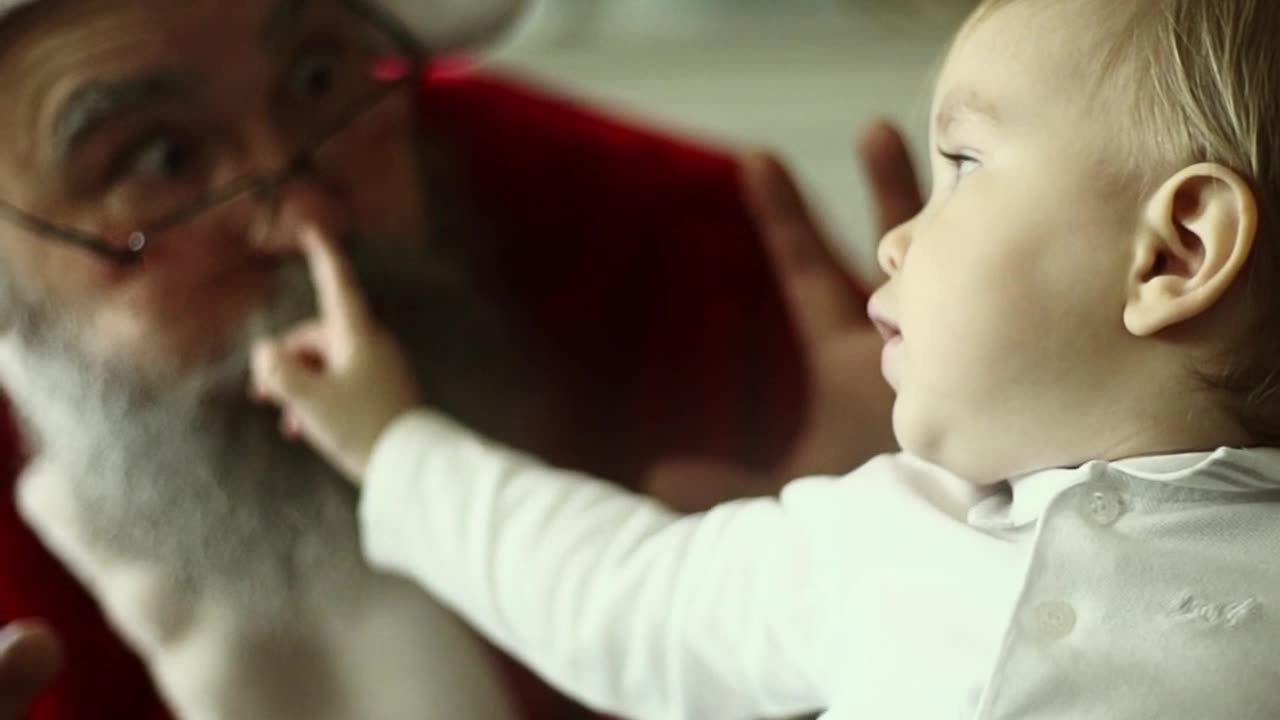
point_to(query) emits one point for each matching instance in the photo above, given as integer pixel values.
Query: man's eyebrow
(96, 103)
(282, 22)
(964, 105)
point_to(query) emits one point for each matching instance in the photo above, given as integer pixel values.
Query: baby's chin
(954, 451)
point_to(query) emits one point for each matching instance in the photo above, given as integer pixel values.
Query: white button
(1053, 620)
(1103, 505)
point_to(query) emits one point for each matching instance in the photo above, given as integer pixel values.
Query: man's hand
(849, 416)
(850, 408)
(886, 161)
(29, 658)
(339, 379)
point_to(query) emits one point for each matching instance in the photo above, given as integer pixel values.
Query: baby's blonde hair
(1199, 81)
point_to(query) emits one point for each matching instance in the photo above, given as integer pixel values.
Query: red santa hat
(441, 25)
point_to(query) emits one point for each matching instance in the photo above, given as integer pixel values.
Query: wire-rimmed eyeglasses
(128, 241)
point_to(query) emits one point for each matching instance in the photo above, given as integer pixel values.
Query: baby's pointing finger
(341, 301)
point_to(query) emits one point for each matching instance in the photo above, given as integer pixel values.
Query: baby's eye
(962, 163)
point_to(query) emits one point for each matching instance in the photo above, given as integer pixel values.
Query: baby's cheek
(912, 425)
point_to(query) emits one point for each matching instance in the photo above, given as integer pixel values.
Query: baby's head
(1097, 271)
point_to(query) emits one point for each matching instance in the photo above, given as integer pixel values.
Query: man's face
(120, 112)
(1009, 287)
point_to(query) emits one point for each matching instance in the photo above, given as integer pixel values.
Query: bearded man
(568, 284)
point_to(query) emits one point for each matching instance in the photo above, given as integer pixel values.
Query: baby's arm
(618, 600)
(609, 595)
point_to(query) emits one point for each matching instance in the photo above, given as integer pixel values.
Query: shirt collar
(1027, 496)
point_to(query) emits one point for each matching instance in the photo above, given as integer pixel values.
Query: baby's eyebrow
(962, 105)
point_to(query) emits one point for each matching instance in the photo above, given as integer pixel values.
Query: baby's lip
(888, 329)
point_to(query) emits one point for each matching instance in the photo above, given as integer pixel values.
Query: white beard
(227, 556)
(188, 475)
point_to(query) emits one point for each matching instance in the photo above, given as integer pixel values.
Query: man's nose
(893, 247)
(303, 203)
(299, 198)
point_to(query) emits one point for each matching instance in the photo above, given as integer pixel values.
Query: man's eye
(315, 75)
(161, 157)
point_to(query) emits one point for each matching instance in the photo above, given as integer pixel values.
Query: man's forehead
(75, 65)
(8, 6)
(128, 44)
(72, 12)
(441, 24)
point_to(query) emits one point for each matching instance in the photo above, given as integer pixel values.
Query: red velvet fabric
(645, 297)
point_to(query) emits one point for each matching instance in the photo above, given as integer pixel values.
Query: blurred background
(800, 76)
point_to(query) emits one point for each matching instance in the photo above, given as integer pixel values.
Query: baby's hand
(339, 379)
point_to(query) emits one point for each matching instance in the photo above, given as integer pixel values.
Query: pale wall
(801, 76)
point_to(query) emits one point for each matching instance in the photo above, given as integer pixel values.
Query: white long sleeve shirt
(1147, 588)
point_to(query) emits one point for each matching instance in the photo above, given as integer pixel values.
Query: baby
(1084, 521)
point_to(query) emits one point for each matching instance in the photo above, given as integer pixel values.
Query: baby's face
(1006, 292)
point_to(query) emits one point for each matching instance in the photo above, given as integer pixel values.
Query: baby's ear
(1195, 238)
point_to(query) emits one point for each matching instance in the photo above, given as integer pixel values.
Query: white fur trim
(453, 24)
